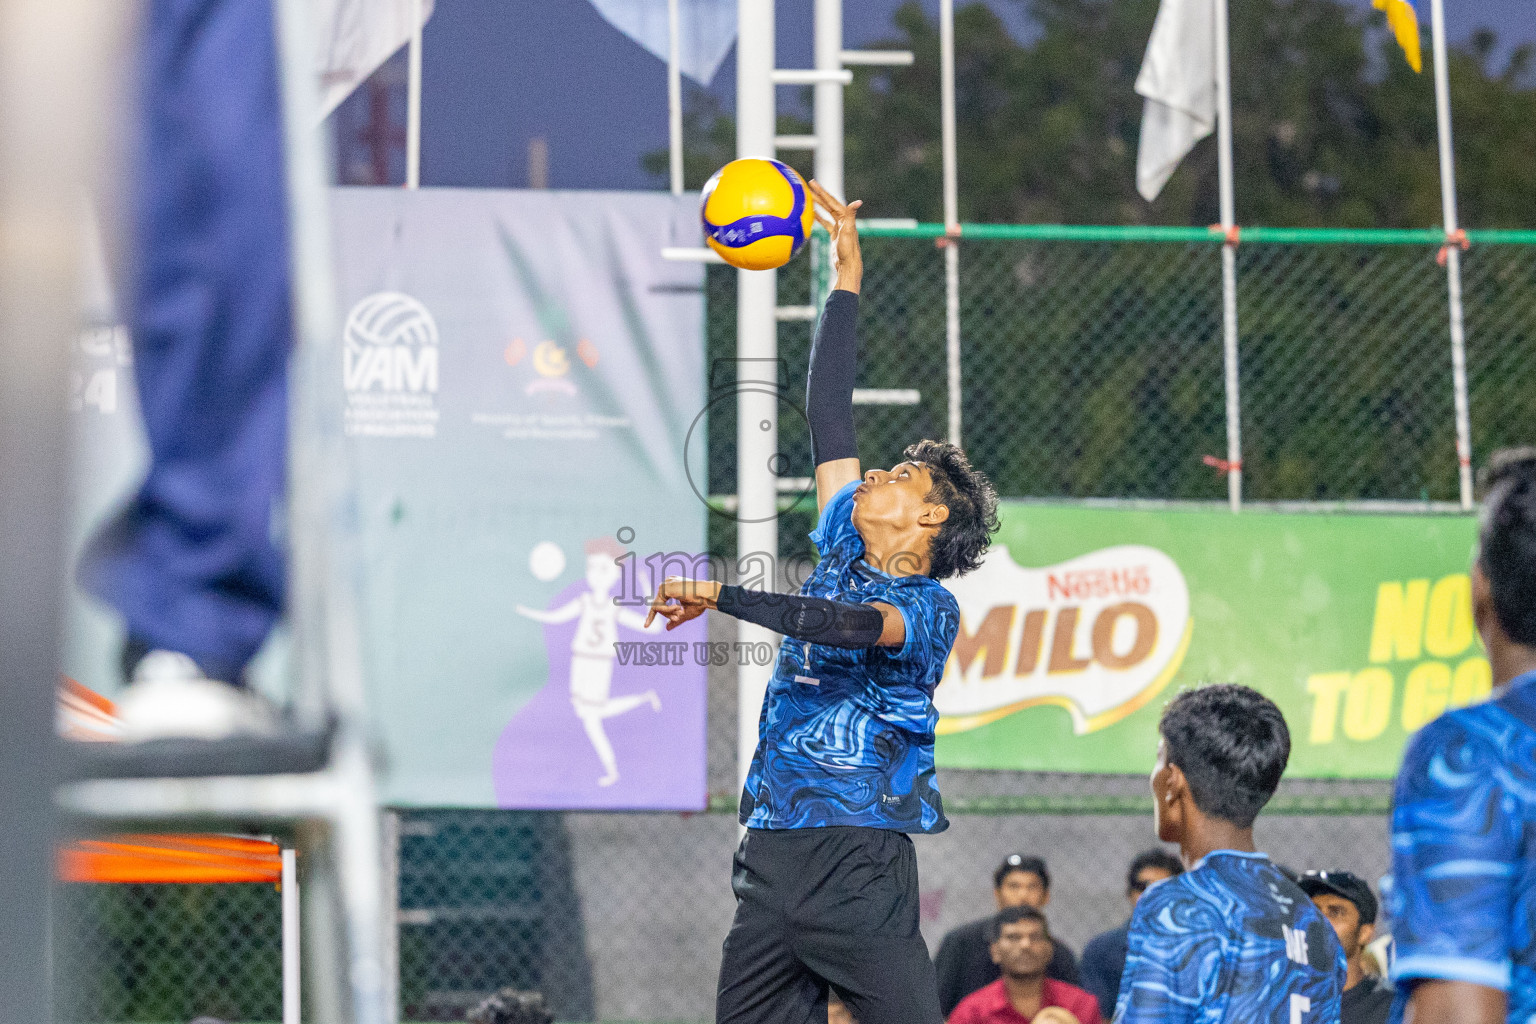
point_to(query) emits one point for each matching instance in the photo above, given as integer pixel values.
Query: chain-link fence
(1091, 360)
(1092, 367)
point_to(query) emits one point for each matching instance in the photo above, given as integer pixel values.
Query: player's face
(895, 497)
(1345, 918)
(1022, 889)
(1022, 949)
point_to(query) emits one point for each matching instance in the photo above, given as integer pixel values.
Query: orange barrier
(170, 859)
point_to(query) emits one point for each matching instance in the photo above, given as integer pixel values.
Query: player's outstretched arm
(815, 620)
(834, 353)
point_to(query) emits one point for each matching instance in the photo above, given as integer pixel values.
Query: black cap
(1345, 884)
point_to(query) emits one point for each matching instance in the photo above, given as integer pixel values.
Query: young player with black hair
(1232, 939)
(1463, 897)
(826, 876)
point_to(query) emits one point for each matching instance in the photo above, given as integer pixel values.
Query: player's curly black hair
(972, 502)
(1507, 540)
(511, 1006)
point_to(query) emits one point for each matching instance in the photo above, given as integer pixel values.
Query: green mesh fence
(1092, 368)
(167, 952)
(1091, 360)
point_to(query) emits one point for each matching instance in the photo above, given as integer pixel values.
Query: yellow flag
(1404, 22)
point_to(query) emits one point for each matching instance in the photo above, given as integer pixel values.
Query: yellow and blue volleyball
(757, 213)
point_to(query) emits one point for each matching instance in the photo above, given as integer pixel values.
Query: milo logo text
(1098, 635)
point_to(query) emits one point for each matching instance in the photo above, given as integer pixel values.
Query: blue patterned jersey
(846, 737)
(1234, 940)
(1463, 898)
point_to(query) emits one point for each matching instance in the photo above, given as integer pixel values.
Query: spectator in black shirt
(964, 961)
(1104, 956)
(1350, 906)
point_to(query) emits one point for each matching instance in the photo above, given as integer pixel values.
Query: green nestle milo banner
(1083, 622)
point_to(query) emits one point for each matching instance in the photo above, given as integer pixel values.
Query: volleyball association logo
(390, 367)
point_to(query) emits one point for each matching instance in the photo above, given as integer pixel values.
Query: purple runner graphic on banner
(620, 700)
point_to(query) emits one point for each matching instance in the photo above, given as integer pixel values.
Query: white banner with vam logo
(519, 372)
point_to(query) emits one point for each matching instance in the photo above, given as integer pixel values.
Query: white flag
(1178, 78)
(353, 37)
(706, 30)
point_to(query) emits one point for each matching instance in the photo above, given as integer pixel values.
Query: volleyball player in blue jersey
(1232, 940)
(826, 877)
(1463, 898)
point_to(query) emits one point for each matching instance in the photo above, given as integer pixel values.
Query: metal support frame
(57, 62)
(335, 807)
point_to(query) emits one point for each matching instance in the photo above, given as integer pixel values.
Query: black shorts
(826, 906)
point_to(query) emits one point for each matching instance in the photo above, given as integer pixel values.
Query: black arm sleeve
(812, 619)
(829, 385)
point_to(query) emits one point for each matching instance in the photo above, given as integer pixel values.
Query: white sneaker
(170, 698)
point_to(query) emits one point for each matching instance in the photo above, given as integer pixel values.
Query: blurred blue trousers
(193, 563)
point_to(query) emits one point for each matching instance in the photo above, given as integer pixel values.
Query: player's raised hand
(839, 220)
(693, 598)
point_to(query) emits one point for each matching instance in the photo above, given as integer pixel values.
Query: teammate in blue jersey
(1463, 898)
(1232, 939)
(826, 877)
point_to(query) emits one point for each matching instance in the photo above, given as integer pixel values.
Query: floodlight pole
(413, 102)
(757, 530)
(674, 97)
(1228, 258)
(1452, 252)
(951, 213)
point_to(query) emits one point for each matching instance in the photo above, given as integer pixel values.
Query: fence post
(951, 215)
(1452, 255)
(1228, 260)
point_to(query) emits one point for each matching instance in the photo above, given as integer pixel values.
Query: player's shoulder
(929, 591)
(1467, 748)
(1184, 903)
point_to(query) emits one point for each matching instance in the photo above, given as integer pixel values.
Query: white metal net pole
(1228, 259)
(757, 530)
(1452, 256)
(413, 102)
(951, 214)
(292, 1000)
(674, 97)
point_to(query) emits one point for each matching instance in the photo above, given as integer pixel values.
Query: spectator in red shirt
(1022, 948)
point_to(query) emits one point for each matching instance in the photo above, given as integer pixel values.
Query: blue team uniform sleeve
(1174, 961)
(834, 529)
(1455, 857)
(932, 618)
